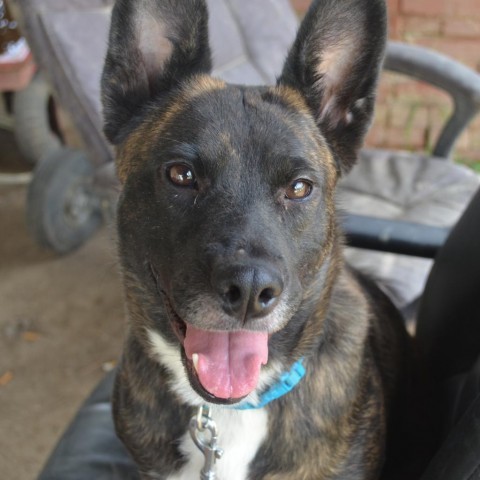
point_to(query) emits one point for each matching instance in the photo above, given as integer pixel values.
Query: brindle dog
(232, 254)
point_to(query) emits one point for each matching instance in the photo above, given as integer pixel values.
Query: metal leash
(200, 425)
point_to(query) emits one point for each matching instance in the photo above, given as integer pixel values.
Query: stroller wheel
(33, 127)
(62, 208)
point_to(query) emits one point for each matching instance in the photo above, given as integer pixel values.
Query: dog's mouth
(222, 366)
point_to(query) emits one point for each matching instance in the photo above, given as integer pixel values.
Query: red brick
(413, 27)
(415, 92)
(301, 6)
(394, 19)
(408, 116)
(376, 136)
(475, 125)
(464, 50)
(466, 27)
(390, 84)
(426, 7)
(436, 121)
(464, 142)
(381, 114)
(465, 8)
(405, 138)
(383, 92)
(469, 157)
(474, 147)
(475, 142)
(393, 7)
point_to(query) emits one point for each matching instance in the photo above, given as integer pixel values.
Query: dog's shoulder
(388, 338)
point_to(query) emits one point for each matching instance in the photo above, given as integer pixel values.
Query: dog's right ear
(153, 46)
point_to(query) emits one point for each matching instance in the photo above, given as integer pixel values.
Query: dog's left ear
(153, 46)
(334, 63)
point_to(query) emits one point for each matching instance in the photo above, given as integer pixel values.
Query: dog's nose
(248, 291)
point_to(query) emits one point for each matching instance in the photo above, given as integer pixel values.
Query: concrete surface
(61, 327)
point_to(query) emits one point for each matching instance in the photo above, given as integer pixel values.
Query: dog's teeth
(195, 361)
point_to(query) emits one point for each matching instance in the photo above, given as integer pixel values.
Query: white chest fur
(240, 432)
(240, 435)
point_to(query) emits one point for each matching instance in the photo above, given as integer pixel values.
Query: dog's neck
(286, 383)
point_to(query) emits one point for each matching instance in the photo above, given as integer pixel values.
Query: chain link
(203, 431)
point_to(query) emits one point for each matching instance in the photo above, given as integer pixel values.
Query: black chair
(448, 330)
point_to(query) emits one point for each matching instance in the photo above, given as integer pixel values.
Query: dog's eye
(298, 190)
(181, 175)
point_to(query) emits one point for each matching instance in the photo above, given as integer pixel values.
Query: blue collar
(285, 384)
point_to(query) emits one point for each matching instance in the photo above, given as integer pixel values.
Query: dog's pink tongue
(228, 362)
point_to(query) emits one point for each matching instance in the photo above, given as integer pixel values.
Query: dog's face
(226, 219)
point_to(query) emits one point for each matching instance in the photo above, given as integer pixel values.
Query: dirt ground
(61, 327)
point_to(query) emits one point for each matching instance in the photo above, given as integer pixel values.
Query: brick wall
(410, 114)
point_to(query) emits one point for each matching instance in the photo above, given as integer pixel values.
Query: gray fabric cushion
(458, 457)
(266, 30)
(405, 186)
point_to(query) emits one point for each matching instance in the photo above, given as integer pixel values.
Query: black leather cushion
(449, 318)
(448, 331)
(89, 449)
(459, 456)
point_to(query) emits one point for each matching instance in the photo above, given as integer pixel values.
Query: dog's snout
(248, 291)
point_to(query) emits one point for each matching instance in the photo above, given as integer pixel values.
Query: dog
(231, 250)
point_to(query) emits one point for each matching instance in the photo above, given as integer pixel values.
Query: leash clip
(200, 426)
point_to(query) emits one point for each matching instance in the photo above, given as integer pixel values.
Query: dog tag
(203, 431)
